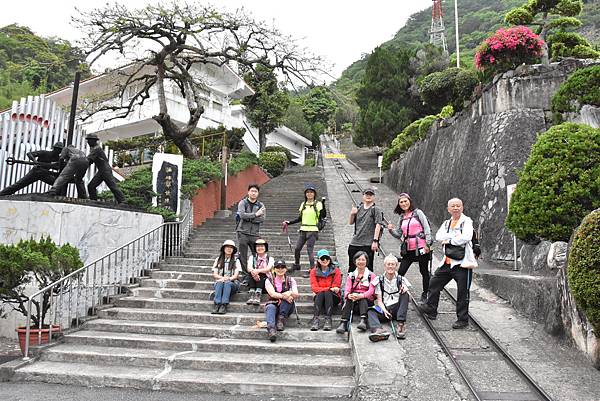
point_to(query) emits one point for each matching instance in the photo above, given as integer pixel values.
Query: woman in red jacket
(325, 282)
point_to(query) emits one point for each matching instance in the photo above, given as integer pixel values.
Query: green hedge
(241, 162)
(273, 162)
(559, 185)
(571, 44)
(584, 268)
(582, 87)
(452, 86)
(279, 149)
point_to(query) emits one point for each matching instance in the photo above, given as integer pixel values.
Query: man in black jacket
(43, 172)
(104, 171)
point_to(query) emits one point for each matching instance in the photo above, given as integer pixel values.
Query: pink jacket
(365, 285)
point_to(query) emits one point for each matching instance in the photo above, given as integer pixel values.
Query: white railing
(36, 123)
(78, 295)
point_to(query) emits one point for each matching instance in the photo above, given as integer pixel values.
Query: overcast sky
(339, 30)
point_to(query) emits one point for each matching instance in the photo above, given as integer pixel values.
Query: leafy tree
(550, 15)
(294, 118)
(161, 43)
(267, 107)
(273, 162)
(319, 108)
(383, 97)
(559, 184)
(452, 86)
(582, 87)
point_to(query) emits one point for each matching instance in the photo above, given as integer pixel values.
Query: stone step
(186, 380)
(196, 305)
(205, 344)
(208, 330)
(165, 315)
(334, 365)
(184, 293)
(206, 259)
(197, 285)
(193, 276)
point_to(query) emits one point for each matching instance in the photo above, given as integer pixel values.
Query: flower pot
(37, 336)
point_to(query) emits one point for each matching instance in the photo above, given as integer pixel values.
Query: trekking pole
(284, 228)
(394, 332)
(297, 316)
(349, 323)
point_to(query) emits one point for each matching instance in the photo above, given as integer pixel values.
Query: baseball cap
(369, 190)
(323, 252)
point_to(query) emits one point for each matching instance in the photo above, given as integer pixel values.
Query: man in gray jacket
(250, 215)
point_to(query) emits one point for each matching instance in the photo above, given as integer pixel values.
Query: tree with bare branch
(161, 43)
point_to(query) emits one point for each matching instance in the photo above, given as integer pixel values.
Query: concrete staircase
(163, 336)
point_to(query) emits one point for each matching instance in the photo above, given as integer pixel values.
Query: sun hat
(229, 242)
(261, 241)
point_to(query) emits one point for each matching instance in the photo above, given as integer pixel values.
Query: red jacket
(319, 283)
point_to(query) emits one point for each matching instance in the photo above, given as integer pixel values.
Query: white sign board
(379, 160)
(509, 191)
(167, 172)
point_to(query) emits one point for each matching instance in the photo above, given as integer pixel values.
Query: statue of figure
(557, 256)
(104, 173)
(74, 171)
(45, 168)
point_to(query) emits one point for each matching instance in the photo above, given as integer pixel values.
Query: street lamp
(456, 33)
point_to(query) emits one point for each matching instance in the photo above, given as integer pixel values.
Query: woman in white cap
(325, 283)
(283, 291)
(258, 267)
(226, 270)
(310, 213)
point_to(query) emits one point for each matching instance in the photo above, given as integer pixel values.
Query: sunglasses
(280, 267)
(324, 258)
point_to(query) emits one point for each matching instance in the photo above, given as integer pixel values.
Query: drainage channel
(487, 369)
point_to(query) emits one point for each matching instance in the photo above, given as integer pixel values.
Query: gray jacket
(397, 232)
(249, 223)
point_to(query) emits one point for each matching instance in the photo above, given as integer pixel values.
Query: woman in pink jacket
(359, 293)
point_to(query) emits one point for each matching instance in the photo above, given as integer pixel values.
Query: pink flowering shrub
(507, 49)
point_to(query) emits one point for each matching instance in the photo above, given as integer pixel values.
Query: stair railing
(71, 299)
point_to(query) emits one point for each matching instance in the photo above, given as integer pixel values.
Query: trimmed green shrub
(273, 162)
(452, 86)
(241, 162)
(584, 268)
(559, 184)
(415, 131)
(447, 112)
(279, 149)
(582, 87)
(571, 44)
(309, 162)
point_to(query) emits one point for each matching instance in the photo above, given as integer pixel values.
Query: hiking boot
(362, 326)
(295, 267)
(223, 309)
(378, 334)
(315, 324)
(328, 324)
(280, 323)
(272, 333)
(400, 331)
(306, 274)
(257, 298)
(342, 328)
(424, 297)
(216, 308)
(428, 311)
(460, 324)
(251, 298)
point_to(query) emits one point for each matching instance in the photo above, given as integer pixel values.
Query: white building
(294, 142)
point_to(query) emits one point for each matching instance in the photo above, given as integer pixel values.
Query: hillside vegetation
(478, 19)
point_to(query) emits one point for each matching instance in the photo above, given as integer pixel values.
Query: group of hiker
(374, 299)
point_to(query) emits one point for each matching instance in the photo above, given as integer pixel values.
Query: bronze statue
(46, 167)
(104, 171)
(74, 171)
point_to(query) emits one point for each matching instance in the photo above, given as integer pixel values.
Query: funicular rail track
(522, 387)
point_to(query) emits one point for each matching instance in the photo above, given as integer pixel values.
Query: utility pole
(456, 33)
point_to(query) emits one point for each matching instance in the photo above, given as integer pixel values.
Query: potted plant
(38, 264)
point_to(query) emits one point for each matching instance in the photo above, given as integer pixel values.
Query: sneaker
(306, 274)
(295, 266)
(250, 300)
(216, 308)
(428, 311)
(315, 324)
(280, 323)
(400, 331)
(341, 329)
(257, 298)
(460, 324)
(223, 309)
(272, 333)
(362, 326)
(424, 297)
(328, 324)
(379, 334)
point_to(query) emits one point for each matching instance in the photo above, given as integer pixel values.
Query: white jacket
(461, 235)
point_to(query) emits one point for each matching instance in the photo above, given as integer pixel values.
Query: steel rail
(531, 383)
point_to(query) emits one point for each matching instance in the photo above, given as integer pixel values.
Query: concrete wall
(94, 231)
(475, 154)
(207, 200)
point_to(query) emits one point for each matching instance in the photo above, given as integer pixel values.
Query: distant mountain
(477, 20)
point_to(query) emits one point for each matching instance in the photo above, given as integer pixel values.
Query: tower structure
(437, 37)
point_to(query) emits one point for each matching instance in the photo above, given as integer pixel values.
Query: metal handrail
(106, 276)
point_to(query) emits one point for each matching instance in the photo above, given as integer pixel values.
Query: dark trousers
(423, 260)
(361, 306)
(284, 309)
(463, 278)
(33, 175)
(309, 238)
(74, 171)
(324, 303)
(245, 241)
(352, 249)
(254, 284)
(398, 311)
(106, 176)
